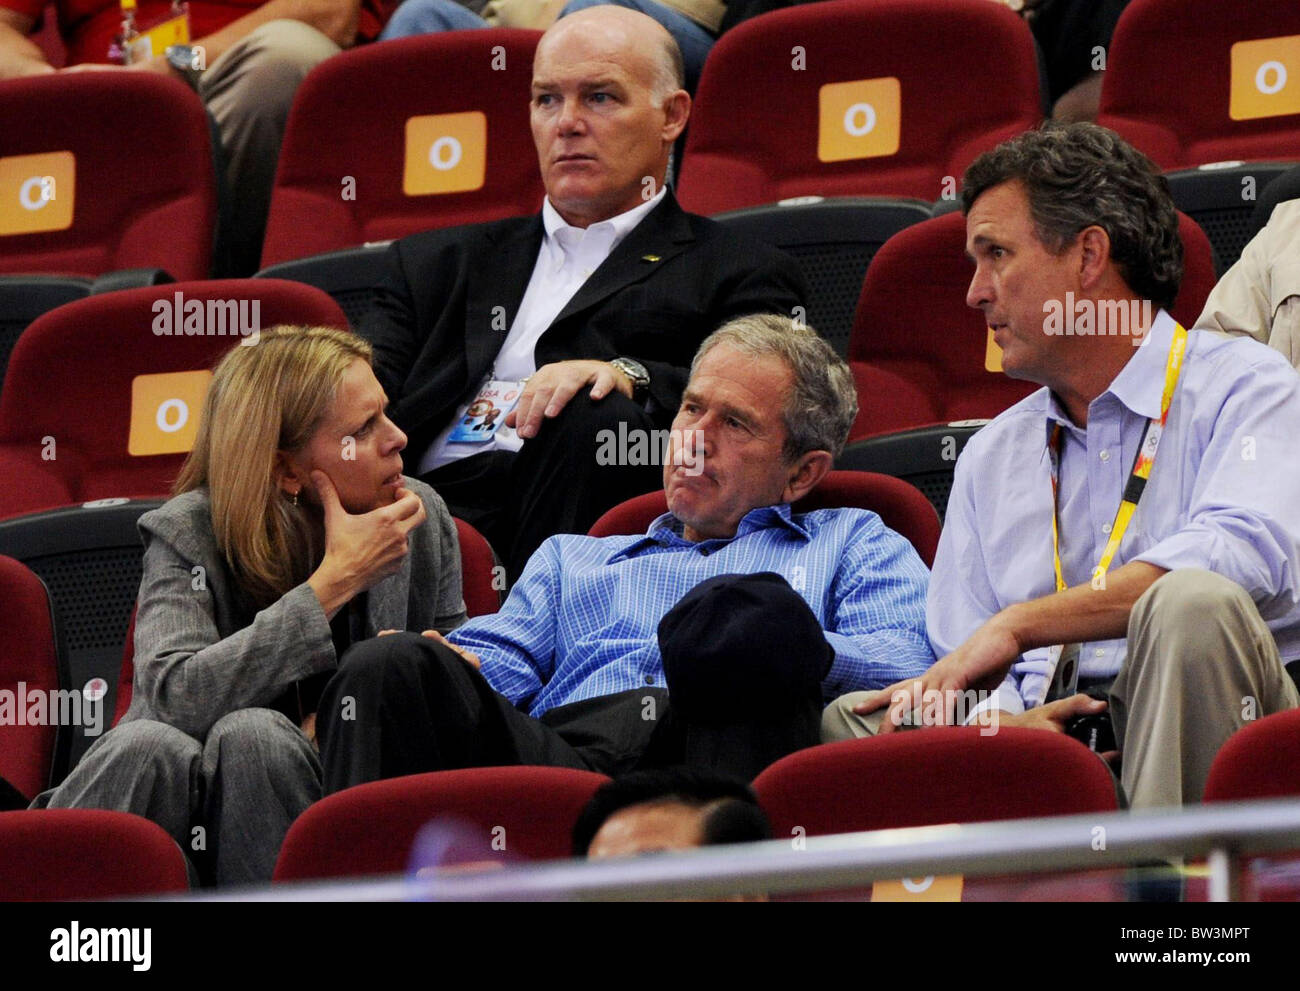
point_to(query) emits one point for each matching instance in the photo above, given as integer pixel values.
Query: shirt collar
(1140, 384)
(615, 227)
(667, 531)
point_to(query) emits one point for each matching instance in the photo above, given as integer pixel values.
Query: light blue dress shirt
(1223, 496)
(582, 620)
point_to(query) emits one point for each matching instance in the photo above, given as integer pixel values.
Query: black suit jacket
(449, 297)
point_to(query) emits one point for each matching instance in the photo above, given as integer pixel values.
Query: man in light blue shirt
(713, 639)
(1186, 630)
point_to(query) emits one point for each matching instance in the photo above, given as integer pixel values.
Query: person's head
(607, 104)
(767, 409)
(670, 809)
(1065, 209)
(301, 399)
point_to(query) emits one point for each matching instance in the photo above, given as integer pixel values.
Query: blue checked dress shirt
(582, 620)
(1223, 496)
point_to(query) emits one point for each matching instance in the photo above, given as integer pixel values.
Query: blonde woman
(292, 534)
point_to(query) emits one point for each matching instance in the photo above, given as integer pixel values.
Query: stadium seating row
(86, 564)
(914, 360)
(862, 97)
(137, 361)
(72, 576)
(912, 779)
(145, 388)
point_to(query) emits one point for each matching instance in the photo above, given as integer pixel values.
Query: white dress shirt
(568, 257)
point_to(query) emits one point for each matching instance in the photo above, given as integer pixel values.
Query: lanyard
(1142, 464)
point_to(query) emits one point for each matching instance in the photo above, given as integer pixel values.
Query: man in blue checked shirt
(1171, 597)
(713, 639)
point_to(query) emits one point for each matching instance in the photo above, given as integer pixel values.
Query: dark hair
(733, 814)
(1080, 175)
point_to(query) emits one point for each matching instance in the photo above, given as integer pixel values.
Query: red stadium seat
(90, 207)
(1199, 274)
(933, 776)
(66, 854)
(89, 560)
(1188, 81)
(925, 457)
(1260, 760)
(28, 659)
(370, 829)
(959, 77)
(479, 577)
(371, 115)
(902, 508)
(80, 441)
(918, 352)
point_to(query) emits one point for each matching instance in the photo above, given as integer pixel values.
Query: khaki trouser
(249, 90)
(1201, 663)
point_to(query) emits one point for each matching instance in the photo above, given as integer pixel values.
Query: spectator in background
(1073, 40)
(246, 60)
(583, 316)
(694, 24)
(1259, 296)
(676, 808)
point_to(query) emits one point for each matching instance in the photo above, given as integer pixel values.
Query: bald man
(578, 323)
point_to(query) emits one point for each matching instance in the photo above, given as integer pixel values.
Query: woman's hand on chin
(361, 549)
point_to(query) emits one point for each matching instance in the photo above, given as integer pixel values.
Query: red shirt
(89, 26)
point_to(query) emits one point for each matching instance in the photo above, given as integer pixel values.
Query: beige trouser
(248, 90)
(1201, 663)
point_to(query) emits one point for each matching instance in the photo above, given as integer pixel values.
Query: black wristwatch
(635, 371)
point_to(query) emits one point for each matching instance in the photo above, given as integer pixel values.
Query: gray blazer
(202, 650)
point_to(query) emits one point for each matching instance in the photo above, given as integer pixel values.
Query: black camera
(1096, 731)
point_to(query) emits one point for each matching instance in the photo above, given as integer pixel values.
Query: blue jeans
(423, 16)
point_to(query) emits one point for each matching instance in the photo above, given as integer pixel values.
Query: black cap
(739, 647)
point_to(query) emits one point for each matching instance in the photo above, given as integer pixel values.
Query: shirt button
(1099, 651)
(704, 552)
(1105, 455)
(649, 679)
(1105, 528)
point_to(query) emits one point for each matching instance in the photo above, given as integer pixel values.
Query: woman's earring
(295, 498)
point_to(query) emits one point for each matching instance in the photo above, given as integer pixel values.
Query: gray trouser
(1201, 663)
(249, 90)
(229, 800)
